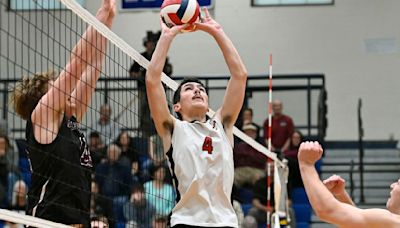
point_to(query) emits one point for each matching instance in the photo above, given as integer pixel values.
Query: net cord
(15, 217)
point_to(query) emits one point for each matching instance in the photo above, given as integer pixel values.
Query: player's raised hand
(335, 184)
(208, 24)
(107, 11)
(309, 153)
(111, 6)
(173, 31)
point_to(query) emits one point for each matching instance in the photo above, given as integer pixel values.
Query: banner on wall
(155, 4)
(38, 4)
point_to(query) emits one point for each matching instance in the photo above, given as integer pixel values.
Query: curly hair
(27, 93)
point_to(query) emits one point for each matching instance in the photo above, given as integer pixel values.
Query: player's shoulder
(377, 217)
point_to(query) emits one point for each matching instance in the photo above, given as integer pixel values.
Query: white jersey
(201, 160)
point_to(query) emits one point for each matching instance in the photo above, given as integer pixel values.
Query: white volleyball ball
(179, 12)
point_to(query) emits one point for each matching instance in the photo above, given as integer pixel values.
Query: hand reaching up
(309, 153)
(208, 24)
(335, 184)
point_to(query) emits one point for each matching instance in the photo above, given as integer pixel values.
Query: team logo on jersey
(72, 124)
(214, 124)
(86, 158)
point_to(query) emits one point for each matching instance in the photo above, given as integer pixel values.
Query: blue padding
(120, 225)
(302, 225)
(302, 212)
(246, 195)
(262, 225)
(27, 178)
(299, 196)
(24, 165)
(246, 207)
(318, 165)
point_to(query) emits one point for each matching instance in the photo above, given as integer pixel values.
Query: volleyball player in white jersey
(199, 149)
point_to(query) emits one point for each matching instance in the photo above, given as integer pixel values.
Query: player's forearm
(231, 56)
(257, 204)
(86, 48)
(322, 201)
(344, 198)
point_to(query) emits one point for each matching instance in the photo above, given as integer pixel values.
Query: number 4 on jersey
(207, 145)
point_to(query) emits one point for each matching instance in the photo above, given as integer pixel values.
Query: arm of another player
(82, 95)
(158, 105)
(235, 90)
(336, 185)
(323, 202)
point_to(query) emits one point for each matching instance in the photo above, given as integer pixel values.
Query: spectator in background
(247, 117)
(18, 199)
(138, 73)
(259, 210)
(18, 202)
(100, 205)
(159, 221)
(97, 148)
(128, 154)
(4, 168)
(160, 194)
(249, 163)
(113, 176)
(11, 161)
(127, 151)
(100, 222)
(114, 179)
(282, 128)
(107, 128)
(294, 179)
(138, 212)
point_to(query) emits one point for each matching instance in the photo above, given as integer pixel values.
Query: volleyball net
(127, 159)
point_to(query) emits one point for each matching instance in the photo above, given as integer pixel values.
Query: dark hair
(120, 135)
(177, 94)
(160, 218)
(301, 139)
(248, 109)
(151, 37)
(137, 188)
(156, 168)
(94, 134)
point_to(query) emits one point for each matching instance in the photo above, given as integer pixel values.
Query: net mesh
(126, 154)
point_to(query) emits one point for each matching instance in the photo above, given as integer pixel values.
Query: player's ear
(177, 107)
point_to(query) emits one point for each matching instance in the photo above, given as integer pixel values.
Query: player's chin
(388, 204)
(199, 103)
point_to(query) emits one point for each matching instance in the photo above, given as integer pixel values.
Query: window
(37, 4)
(290, 2)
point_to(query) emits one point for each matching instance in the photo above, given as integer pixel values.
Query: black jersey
(61, 174)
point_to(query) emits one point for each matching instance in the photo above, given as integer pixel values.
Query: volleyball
(179, 12)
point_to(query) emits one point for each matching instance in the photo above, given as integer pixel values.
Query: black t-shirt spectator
(260, 191)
